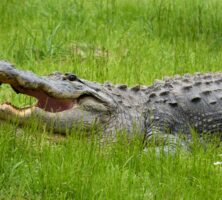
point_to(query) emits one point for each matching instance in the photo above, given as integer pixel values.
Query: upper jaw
(53, 88)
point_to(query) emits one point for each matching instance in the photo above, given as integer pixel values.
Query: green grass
(127, 41)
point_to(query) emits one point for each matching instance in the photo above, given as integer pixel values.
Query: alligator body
(173, 105)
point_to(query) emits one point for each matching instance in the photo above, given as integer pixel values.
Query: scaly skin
(173, 105)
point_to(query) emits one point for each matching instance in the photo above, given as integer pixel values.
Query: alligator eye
(72, 77)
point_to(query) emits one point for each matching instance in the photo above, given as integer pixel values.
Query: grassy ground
(125, 42)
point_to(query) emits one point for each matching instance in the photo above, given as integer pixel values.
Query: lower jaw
(10, 113)
(60, 122)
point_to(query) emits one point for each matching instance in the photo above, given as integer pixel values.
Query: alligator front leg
(164, 141)
(166, 129)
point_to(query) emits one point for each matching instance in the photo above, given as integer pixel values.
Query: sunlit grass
(124, 42)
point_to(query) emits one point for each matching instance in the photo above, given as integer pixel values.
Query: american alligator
(173, 105)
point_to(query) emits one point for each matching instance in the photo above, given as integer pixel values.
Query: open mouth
(44, 101)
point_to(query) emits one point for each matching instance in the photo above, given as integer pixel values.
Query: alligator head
(63, 100)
